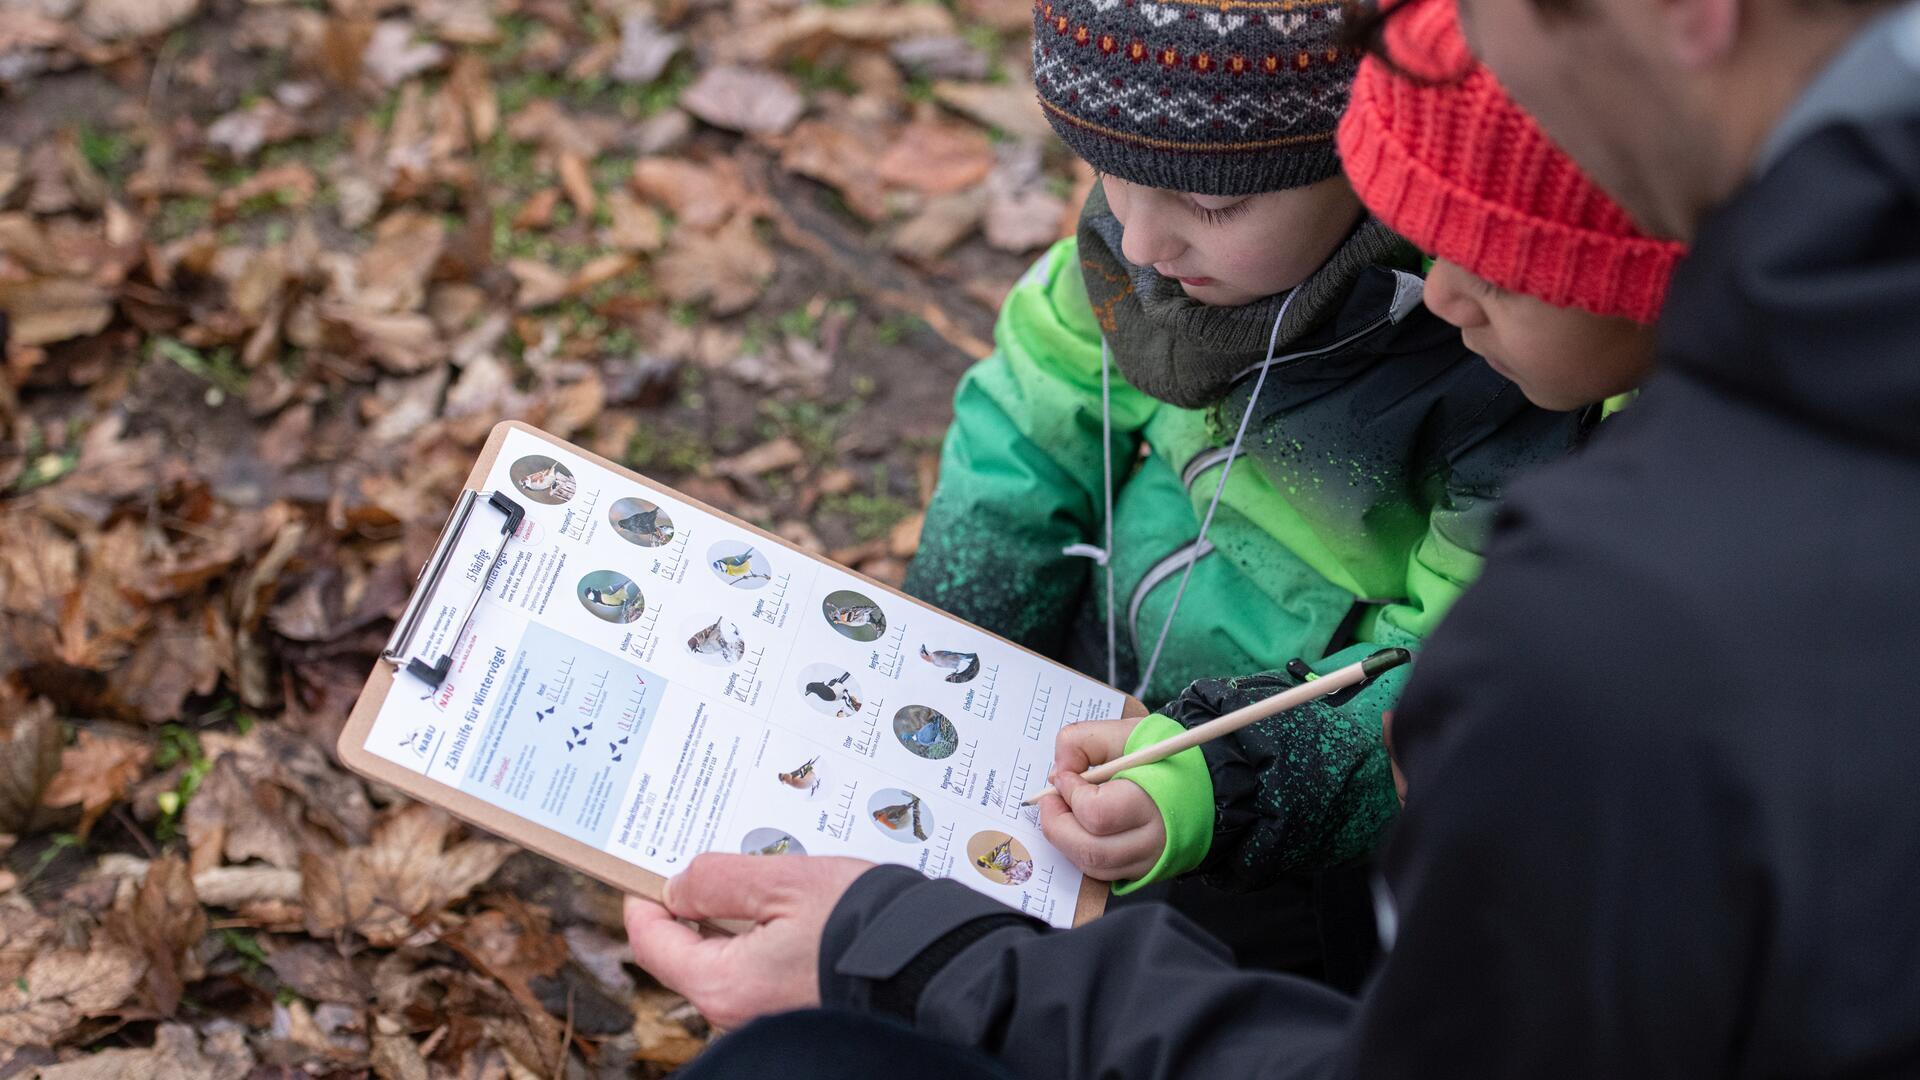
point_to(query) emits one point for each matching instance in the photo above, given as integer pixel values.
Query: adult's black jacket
(1665, 756)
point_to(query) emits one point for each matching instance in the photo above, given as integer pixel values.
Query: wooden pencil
(1331, 683)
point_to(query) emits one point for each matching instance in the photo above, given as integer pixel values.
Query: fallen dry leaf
(469, 86)
(175, 659)
(634, 226)
(462, 22)
(540, 284)
(404, 877)
(243, 132)
(1022, 211)
(403, 343)
(559, 131)
(700, 196)
(30, 757)
(937, 158)
(393, 55)
(114, 20)
(392, 274)
(744, 99)
(944, 223)
(1011, 106)
(95, 772)
(776, 455)
(843, 156)
(164, 923)
(239, 814)
(578, 185)
(810, 30)
(42, 311)
(603, 956)
(644, 49)
(394, 1056)
(62, 987)
(178, 1053)
(537, 212)
(727, 270)
(319, 973)
(659, 1025)
(904, 539)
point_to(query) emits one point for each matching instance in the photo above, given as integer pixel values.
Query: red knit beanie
(1454, 166)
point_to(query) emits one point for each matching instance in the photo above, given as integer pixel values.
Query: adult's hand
(772, 966)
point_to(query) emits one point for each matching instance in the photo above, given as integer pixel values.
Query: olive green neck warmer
(1187, 353)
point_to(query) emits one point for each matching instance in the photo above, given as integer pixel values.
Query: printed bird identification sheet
(653, 681)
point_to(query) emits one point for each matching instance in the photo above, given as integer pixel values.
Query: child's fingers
(1108, 809)
(1080, 747)
(1103, 858)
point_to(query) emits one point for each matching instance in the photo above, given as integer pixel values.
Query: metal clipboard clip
(470, 512)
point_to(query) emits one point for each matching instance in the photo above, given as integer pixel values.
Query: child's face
(1229, 251)
(1561, 358)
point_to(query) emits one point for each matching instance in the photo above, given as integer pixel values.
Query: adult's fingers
(676, 954)
(1108, 809)
(747, 887)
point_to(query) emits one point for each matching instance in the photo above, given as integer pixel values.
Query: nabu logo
(419, 740)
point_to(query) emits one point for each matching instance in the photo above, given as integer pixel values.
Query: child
(1303, 461)
(1549, 280)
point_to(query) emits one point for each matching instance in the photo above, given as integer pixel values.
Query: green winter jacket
(1370, 472)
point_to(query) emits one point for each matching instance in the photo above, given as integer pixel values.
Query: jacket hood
(1803, 292)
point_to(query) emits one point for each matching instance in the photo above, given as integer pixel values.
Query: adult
(1667, 829)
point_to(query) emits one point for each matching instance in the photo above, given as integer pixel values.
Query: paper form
(655, 681)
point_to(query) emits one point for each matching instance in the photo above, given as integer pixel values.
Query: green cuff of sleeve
(1183, 791)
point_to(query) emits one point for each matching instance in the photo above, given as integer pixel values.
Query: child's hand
(1111, 831)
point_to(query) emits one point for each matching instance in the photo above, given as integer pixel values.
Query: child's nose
(1449, 296)
(1145, 240)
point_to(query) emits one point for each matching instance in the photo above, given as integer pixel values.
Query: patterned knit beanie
(1441, 154)
(1208, 97)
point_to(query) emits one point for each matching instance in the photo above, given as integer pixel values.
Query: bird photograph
(963, 665)
(835, 694)
(803, 778)
(543, 479)
(612, 596)
(640, 522)
(853, 615)
(925, 732)
(739, 565)
(718, 643)
(771, 842)
(1004, 860)
(899, 815)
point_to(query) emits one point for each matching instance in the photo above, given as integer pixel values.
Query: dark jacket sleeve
(1309, 789)
(1138, 993)
(1569, 897)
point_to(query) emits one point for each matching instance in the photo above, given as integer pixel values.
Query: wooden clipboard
(566, 850)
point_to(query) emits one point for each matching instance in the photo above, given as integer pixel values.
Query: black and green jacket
(1372, 467)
